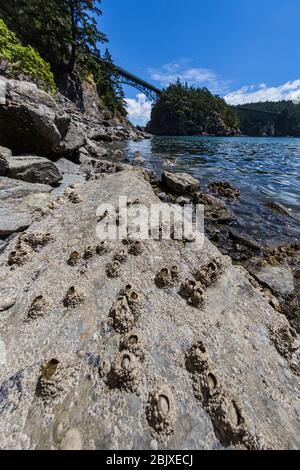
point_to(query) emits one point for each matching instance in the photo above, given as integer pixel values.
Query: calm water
(264, 169)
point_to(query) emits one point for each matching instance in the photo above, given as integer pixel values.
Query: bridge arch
(128, 78)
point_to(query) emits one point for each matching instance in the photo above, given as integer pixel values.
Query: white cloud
(139, 109)
(254, 93)
(196, 76)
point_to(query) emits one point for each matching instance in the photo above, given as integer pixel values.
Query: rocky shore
(158, 344)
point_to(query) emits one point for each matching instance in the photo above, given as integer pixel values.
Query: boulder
(170, 347)
(215, 210)
(279, 279)
(5, 154)
(29, 119)
(138, 158)
(33, 169)
(279, 208)
(101, 136)
(67, 167)
(180, 183)
(32, 121)
(15, 189)
(224, 189)
(94, 149)
(119, 155)
(20, 204)
(12, 221)
(74, 139)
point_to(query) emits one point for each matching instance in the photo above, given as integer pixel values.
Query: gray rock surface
(20, 204)
(15, 189)
(72, 141)
(5, 154)
(144, 359)
(180, 183)
(279, 279)
(37, 115)
(95, 150)
(215, 209)
(67, 167)
(34, 169)
(12, 221)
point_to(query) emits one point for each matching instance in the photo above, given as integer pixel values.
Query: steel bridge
(153, 92)
(128, 78)
(253, 110)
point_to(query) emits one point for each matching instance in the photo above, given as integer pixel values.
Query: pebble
(8, 298)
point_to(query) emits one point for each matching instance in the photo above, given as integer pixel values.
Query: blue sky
(243, 50)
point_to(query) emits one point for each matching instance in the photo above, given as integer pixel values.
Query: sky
(245, 51)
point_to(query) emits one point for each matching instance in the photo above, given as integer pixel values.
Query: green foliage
(184, 110)
(24, 60)
(108, 87)
(285, 123)
(66, 34)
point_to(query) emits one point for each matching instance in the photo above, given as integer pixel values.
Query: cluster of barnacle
(69, 195)
(113, 269)
(55, 380)
(167, 277)
(161, 411)
(80, 259)
(38, 308)
(194, 291)
(72, 196)
(126, 309)
(225, 411)
(125, 372)
(41, 305)
(135, 247)
(26, 245)
(120, 256)
(133, 343)
(73, 298)
(210, 273)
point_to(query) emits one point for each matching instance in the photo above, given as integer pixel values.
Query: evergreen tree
(65, 32)
(184, 110)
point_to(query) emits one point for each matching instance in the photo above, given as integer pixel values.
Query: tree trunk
(73, 45)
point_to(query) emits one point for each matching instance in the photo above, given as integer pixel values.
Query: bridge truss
(128, 78)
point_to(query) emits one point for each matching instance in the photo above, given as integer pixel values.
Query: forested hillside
(285, 121)
(184, 110)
